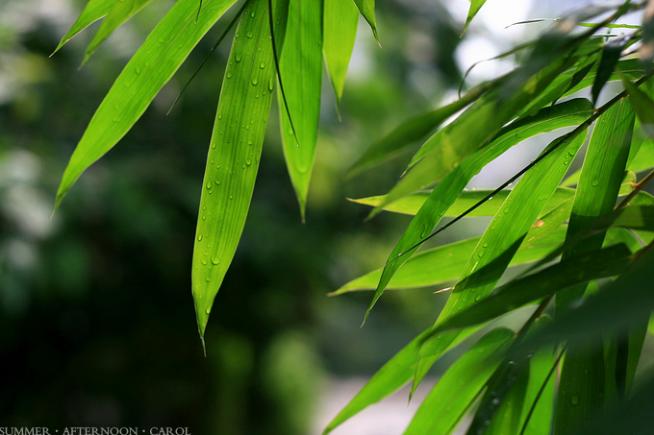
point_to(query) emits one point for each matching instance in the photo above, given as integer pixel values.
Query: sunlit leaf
(340, 21)
(121, 12)
(92, 12)
(475, 5)
(643, 105)
(455, 391)
(233, 157)
(147, 72)
(367, 10)
(301, 75)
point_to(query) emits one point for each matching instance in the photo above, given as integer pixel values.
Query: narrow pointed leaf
(444, 195)
(119, 14)
(367, 10)
(643, 106)
(341, 19)
(608, 62)
(501, 240)
(147, 72)
(301, 75)
(475, 6)
(92, 12)
(233, 156)
(582, 373)
(455, 391)
(412, 130)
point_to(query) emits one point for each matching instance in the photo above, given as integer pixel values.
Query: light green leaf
(340, 21)
(540, 388)
(301, 76)
(475, 5)
(501, 240)
(233, 158)
(438, 266)
(367, 9)
(455, 391)
(444, 195)
(122, 11)
(147, 72)
(411, 204)
(92, 12)
(589, 266)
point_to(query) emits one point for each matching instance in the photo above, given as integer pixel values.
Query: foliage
(586, 239)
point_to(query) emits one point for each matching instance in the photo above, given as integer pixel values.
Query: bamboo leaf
(367, 10)
(233, 156)
(475, 6)
(501, 239)
(455, 391)
(582, 374)
(301, 74)
(539, 399)
(147, 72)
(119, 14)
(593, 265)
(643, 106)
(92, 12)
(412, 130)
(340, 21)
(608, 62)
(411, 204)
(444, 195)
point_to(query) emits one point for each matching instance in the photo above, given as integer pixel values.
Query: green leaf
(444, 195)
(411, 204)
(459, 386)
(589, 266)
(367, 9)
(147, 72)
(608, 62)
(92, 12)
(502, 238)
(412, 130)
(582, 374)
(475, 5)
(301, 75)
(437, 266)
(121, 12)
(616, 308)
(340, 21)
(643, 105)
(541, 389)
(233, 157)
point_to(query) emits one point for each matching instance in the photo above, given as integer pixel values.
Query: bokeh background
(96, 317)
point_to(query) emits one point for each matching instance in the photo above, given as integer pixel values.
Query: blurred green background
(96, 317)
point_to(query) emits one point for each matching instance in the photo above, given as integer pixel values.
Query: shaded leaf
(643, 106)
(608, 61)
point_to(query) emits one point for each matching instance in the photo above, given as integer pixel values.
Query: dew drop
(575, 400)
(215, 261)
(207, 311)
(200, 237)
(237, 58)
(255, 82)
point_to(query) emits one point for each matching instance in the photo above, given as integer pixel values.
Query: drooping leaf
(301, 74)
(608, 61)
(233, 157)
(444, 195)
(146, 73)
(502, 238)
(122, 11)
(455, 391)
(413, 129)
(643, 106)
(475, 5)
(340, 20)
(92, 12)
(582, 374)
(367, 10)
